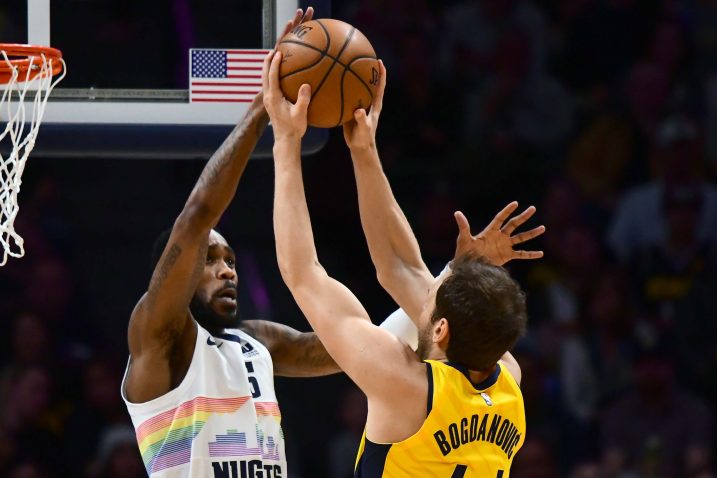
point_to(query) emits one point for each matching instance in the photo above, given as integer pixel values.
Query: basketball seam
(328, 37)
(343, 75)
(348, 68)
(323, 53)
(341, 89)
(301, 69)
(344, 65)
(346, 43)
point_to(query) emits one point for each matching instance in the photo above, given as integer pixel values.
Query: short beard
(424, 342)
(210, 319)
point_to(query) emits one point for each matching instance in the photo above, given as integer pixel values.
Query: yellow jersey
(470, 431)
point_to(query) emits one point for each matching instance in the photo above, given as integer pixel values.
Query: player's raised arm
(372, 357)
(160, 322)
(161, 319)
(392, 244)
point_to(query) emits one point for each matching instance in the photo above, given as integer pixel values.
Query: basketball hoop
(23, 69)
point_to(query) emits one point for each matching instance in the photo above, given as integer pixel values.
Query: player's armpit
(294, 353)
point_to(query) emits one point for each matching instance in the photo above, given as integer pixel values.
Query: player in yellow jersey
(454, 407)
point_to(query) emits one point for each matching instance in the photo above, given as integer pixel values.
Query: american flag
(225, 75)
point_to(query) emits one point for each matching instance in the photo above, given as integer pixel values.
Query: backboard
(127, 89)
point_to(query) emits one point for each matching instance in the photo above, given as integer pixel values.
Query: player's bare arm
(392, 244)
(161, 332)
(380, 364)
(294, 353)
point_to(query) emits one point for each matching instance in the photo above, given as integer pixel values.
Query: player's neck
(437, 354)
(216, 331)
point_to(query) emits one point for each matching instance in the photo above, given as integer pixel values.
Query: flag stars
(209, 64)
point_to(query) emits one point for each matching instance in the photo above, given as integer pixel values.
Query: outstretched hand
(360, 132)
(299, 17)
(495, 243)
(288, 120)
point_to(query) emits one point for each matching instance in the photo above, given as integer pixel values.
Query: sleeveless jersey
(471, 431)
(222, 421)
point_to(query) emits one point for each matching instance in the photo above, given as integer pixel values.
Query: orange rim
(23, 57)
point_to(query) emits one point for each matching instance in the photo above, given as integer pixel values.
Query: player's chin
(227, 311)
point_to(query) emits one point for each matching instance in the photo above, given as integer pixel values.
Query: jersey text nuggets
(496, 430)
(246, 469)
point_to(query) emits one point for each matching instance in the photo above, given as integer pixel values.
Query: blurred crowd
(602, 113)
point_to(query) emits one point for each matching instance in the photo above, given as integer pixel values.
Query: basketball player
(454, 407)
(199, 386)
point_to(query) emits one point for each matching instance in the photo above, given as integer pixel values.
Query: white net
(23, 103)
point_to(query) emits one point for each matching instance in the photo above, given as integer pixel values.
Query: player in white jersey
(199, 383)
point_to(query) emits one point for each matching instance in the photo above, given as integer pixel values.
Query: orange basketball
(337, 61)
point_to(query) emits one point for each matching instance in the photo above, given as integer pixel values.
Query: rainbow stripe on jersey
(268, 409)
(165, 440)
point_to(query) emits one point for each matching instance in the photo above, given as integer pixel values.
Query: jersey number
(460, 472)
(255, 392)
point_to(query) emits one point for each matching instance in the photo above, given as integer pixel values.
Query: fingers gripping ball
(337, 61)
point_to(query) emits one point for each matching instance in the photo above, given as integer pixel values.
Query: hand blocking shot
(453, 407)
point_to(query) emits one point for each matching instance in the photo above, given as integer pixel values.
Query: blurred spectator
(588, 470)
(30, 344)
(609, 335)
(515, 104)
(668, 49)
(658, 429)
(29, 469)
(647, 89)
(535, 459)
(472, 32)
(26, 415)
(118, 456)
(596, 362)
(640, 221)
(566, 280)
(599, 158)
(100, 410)
(343, 446)
(667, 272)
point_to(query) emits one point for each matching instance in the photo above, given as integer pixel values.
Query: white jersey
(222, 421)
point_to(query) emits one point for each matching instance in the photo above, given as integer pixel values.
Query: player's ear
(441, 332)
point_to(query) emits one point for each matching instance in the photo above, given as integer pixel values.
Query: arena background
(602, 113)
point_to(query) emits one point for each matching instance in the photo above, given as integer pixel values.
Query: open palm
(495, 243)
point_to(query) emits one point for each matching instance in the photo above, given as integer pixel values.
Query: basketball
(339, 64)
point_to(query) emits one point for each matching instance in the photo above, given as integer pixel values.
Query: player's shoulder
(250, 345)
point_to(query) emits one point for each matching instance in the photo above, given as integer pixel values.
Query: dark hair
(485, 310)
